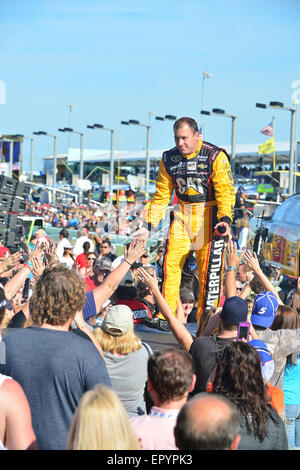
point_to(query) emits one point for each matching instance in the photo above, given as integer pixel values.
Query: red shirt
(81, 261)
(89, 283)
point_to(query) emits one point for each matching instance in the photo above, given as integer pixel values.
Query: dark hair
(86, 247)
(170, 371)
(296, 302)
(238, 376)
(106, 240)
(142, 290)
(64, 232)
(196, 431)
(256, 285)
(125, 292)
(2, 309)
(188, 121)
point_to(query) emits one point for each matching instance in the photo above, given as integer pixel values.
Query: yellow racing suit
(203, 184)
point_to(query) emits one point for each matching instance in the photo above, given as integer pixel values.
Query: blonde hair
(124, 344)
(101, 422)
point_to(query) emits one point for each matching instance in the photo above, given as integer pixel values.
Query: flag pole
(274, 154)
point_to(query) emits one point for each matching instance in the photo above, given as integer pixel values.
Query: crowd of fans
(122, 220)
(76, 374)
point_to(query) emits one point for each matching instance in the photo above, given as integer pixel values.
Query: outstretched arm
(105, 290)
(182, 335)
(81, 324)
(233, 260)
(253, 263)
(17, 281)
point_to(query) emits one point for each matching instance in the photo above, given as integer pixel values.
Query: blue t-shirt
(54, 368)
(291, 383)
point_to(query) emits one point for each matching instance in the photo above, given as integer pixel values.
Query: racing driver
(201, 176)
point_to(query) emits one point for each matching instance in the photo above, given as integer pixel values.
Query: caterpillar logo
(213, 285)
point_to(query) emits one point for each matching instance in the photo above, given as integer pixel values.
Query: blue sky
(120, 60)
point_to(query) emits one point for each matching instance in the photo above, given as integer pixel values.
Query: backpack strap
(147, 347)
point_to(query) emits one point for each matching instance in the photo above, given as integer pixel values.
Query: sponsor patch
(202, 166)
(191, 166)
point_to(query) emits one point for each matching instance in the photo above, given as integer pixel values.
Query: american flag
(201, 132)
(268, 130)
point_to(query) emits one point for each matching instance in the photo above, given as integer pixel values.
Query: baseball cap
(67, 244)
(127, 280)
(118, 321)
(264, 309)
(103, 263)
(234, 310)
(267, 362)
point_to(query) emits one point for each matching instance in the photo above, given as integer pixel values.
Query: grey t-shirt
(128, 376)
(281, 343)
(54, 369)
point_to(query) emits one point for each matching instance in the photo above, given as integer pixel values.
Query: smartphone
(243, 331)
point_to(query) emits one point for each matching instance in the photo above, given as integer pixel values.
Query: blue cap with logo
(267, 362)
(264, 309)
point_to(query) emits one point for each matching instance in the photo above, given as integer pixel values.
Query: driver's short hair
(188, 121)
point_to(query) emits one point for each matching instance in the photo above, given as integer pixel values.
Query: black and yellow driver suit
(203, 184)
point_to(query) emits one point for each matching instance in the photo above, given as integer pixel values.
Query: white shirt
(78, 247)
(60, 248)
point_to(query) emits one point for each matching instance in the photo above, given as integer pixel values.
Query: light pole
(293, 144)
(112, 163)
(233, 117)
(71, 108)
(31, 152)
(69, 129)
(54, 159)
(205, 75)
(148, 127)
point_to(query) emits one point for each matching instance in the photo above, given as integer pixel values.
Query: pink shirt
(155, 431)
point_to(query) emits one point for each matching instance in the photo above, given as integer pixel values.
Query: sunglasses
(239, 288)
(94, 259)
(145, 256)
